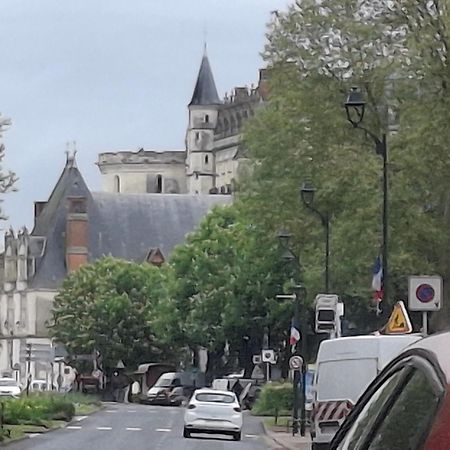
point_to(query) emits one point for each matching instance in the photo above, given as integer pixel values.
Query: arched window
(116, 183)
(206, 118)
(206, 159)
(158, 184)
(197, 135)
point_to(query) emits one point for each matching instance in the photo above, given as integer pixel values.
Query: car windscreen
(164, 382)
(214, 398)
(8, 383)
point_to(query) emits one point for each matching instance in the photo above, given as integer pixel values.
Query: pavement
(285, 440)
(135, 427)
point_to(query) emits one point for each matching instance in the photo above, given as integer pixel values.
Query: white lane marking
(32, 435)
(133, 429)
(73, 427)
(132, 411)
(111, 410)
(79, 418)
(252, 436)
(164, 430)
(104, 428)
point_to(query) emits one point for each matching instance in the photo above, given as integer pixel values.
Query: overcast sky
(111, 75)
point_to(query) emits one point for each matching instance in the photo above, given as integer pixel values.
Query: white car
(214, 412)
(9, 387)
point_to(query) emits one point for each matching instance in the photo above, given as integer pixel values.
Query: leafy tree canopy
(113, 306)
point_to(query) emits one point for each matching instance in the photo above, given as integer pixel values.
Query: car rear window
(214, 398)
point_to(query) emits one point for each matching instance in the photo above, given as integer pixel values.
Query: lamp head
(355, 106)
(284, 236)
(307, 192)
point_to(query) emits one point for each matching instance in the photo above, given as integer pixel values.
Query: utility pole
(299, 317)
(28, 359)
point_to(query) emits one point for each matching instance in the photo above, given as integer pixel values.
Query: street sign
(398, 322)
(256, 359)
(296, 363)
(268, 356)
(425, 293)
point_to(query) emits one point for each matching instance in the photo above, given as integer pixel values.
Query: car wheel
(186, 433)
(237, 436)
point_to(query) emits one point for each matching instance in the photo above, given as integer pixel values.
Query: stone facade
(213, 154)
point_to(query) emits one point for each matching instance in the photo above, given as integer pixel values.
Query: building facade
(213, 153)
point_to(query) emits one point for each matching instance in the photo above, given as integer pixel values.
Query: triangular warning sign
(398, 322)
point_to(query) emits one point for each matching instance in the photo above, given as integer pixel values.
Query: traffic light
(328, 314)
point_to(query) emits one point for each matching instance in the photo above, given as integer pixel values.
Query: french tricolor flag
(377, 280)
(295, 333)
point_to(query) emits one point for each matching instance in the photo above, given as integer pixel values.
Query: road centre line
(133, 429)
(164, 430)
(104, 428)
(73, 427)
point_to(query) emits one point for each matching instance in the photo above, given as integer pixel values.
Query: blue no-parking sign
(425, 293)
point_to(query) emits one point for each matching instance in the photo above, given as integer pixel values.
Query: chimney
(38, 208)
(77, 234)
(263, 84)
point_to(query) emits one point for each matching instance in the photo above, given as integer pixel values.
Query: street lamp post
(307, 192)
(299, 316)
(355, 108)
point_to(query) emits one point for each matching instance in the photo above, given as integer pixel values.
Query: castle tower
(203, 111)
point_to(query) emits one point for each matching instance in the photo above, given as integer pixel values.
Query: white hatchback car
(214, 412)
(9, 387)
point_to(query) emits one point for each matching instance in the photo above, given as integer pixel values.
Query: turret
(203, 111)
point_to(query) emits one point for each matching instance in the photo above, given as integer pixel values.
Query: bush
(37, 409)
(274, 399)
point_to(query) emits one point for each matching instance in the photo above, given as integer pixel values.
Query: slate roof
(205, 92)
(126, 226)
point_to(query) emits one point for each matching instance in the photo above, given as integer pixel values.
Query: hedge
(274, 399)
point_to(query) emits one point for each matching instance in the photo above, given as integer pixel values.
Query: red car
(407, 407)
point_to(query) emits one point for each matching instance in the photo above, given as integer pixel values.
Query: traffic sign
(295, 363)
(425, 293)
(398, 322)
(268, 356)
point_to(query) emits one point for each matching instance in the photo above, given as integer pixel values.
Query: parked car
(41, 385)
(9, 387)
(344, 369)
(407, 407)
(172, 388)
(214, 412)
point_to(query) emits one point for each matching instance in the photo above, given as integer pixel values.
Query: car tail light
(191, 407)
(237, 409)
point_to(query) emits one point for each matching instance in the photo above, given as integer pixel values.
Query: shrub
(274, 398)
(37, 409)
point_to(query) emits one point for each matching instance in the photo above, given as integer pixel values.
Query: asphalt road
(135, 427)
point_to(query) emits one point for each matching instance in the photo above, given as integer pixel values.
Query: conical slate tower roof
(205, 92)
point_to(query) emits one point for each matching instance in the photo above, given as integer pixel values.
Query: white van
(344, 369)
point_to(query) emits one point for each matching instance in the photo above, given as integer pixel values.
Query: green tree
(110, 306)
(398, 54)
(227, 276)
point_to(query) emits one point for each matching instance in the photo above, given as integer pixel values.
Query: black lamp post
(355, 107)
(290, 257)
(307, 192)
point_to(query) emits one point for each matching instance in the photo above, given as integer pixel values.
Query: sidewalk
(286, 441)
